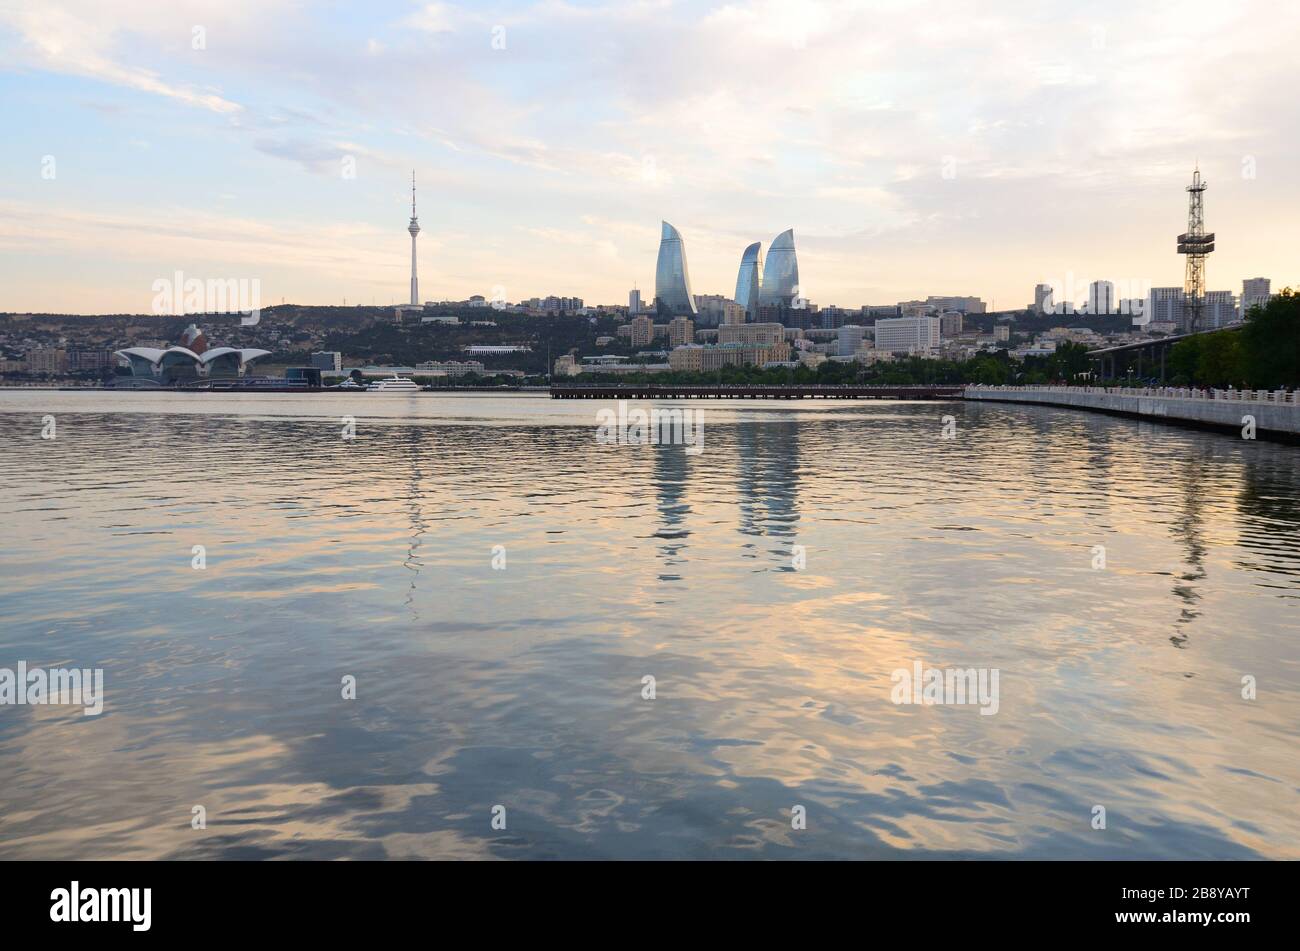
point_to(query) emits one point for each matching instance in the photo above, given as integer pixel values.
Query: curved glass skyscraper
(672, 279)
(781, 272)
(750, 279)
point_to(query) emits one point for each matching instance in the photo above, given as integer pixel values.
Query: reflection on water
(373, 557)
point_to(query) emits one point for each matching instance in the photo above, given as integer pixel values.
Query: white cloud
(738, 120)
(79, 39)
(432, 18)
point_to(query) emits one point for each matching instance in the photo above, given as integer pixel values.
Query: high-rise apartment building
(681, 331)
(1254, 292)
(643, 331)
(1165, 305)
(1220, 310)
(1101, 297)
(47, 361)
(1043, 298)
(713, 310)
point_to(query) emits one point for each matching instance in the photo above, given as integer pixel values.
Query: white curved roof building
(179, 362)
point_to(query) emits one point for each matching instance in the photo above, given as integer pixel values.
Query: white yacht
(394, 384)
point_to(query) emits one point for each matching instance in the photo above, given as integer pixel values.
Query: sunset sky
(915, 147)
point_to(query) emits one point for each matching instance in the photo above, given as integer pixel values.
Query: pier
(749, 391)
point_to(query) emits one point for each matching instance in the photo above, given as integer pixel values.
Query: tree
(1184, 361)
(1219, 362)
(1270, 343)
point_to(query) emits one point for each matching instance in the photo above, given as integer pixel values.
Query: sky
(916, 147)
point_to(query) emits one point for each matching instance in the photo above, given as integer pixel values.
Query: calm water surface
(523, 687)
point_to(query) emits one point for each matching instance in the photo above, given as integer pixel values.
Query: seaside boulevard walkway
(1268, 413)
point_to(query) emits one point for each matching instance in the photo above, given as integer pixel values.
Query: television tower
(1196, 244)
(414, 228)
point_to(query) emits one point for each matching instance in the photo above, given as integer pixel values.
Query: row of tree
(1264, 354)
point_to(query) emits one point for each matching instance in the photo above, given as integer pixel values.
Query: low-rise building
(702, 358)
(756, 334)
(451, 367)
(81, 361)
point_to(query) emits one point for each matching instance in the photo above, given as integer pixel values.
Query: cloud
(431, 18)
(737, 120)
(77, 39)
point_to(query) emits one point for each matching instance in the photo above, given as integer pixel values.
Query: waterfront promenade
(1275, 413)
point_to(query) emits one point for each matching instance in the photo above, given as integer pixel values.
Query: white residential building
(907, 334)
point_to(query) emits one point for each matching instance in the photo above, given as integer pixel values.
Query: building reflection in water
(1189, 529)
(671, 469)
(410, 443)
(767, 484)
(1268, 514)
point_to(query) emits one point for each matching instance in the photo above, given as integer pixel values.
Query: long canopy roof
(155, 356)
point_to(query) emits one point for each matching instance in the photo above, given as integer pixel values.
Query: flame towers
(770, 284)
(749, 281)
(672, 279)
(781, 273)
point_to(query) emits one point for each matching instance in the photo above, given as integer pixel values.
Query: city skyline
(924, 150)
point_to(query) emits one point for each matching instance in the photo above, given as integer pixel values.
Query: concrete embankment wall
(1276, 414)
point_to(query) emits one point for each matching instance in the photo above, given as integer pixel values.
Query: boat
(394, 384)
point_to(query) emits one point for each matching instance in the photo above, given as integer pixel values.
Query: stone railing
(1288, 397)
